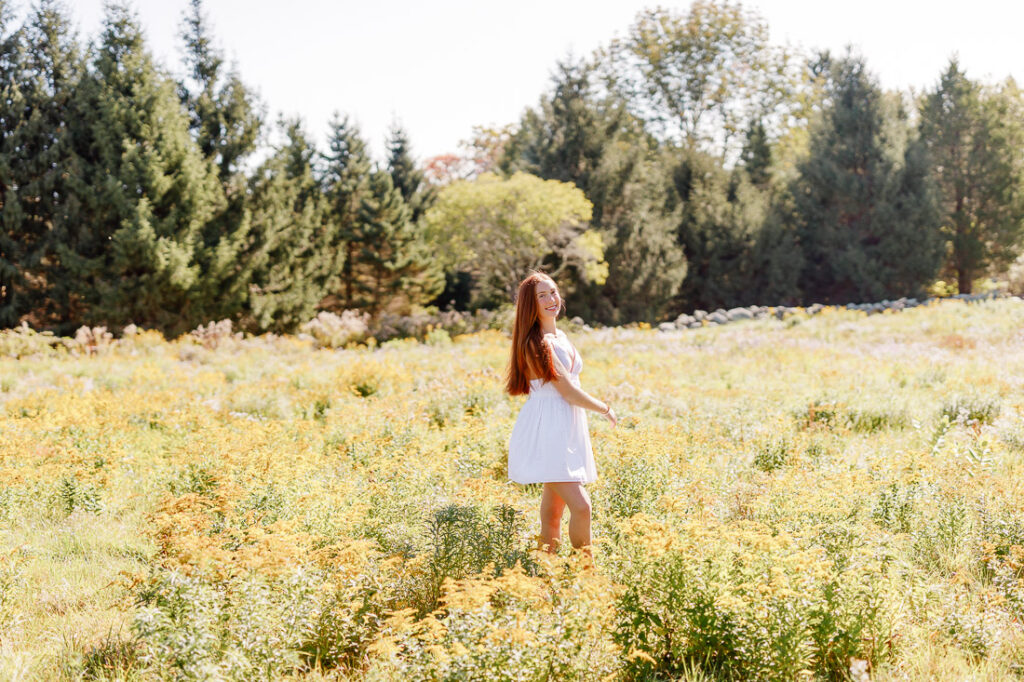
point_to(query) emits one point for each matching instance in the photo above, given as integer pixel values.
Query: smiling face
(549, 301)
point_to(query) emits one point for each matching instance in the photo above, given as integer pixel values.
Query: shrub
(337, 331)
(463, 542)
(72, 494)
(214, 334)
(23, 341)
(772, 456)
(748, 604)
(970, 410)
(197, 627)
(633, 488)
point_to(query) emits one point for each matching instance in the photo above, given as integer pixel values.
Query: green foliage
(631, 488)
(462, 542)
(970, 409)
(971, 133)
(702, 75)
(737, 251)
(865, 210)
(138, 252)
(772, 456)
(289, 259)
(574, 135)
(41, 65)
(71, 495)
(406, 177)
(193, 628)
(499, 229)
(680, 615)
(344, 181)
(894, 507)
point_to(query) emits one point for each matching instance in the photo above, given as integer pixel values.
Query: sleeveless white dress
(550, 441)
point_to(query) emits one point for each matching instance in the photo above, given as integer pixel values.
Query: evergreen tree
(577, 136)
(146, 194)
(393, 262)
(406, 177)
(41, 164)
(756, 155)
(736, 249)
(225, 121)
(974, 145)
(14, 247)
(345, 181)
(224, 116)
(866, 216)
(290, 261)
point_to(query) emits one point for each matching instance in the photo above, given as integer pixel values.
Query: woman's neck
(547, 326)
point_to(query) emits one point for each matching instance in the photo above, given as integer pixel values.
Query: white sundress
(550, 441)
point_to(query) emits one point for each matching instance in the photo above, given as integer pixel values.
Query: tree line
(688, 164)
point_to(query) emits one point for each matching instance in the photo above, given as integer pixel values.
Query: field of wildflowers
(827, 497)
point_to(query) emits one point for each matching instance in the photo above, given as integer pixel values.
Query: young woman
(550, 443)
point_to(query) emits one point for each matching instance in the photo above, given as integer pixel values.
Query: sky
(440, 67)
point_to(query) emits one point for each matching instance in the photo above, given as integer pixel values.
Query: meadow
(830, 497)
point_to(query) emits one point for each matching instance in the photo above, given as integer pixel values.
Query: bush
(463, 542)
(970, 410)
(749, 605)
(214, 334)
(23, 341)
(772, 456)
(337, 331)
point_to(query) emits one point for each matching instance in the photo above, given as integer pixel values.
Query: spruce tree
(576, 135)
(41, 163)
(14, 247)
(146, 192)
(290, 262)
(406, 177)
(393, 263)
(344, 181)
(224, 115)
(974, 143)
(225, 121)
(866, 218)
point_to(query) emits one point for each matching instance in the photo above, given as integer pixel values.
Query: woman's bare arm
(573, 394)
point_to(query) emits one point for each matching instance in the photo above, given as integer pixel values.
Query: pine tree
(224, 116)
(290, 261)
(393, 262)
(146, 193)
(225, 121)
(973, 142)
(40, 162)
(14, 250)
(574, 135)
(866, 219)
(756, 155)
(344, 181)
(405, 176)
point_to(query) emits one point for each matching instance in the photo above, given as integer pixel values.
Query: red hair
(529, 352)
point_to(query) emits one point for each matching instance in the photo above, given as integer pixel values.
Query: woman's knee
(579, 504)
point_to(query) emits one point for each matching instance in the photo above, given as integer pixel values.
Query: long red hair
(529, 352)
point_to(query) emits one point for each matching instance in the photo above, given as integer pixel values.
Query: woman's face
(549, 302)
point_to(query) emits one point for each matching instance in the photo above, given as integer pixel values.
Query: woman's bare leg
(551, 508)
(575, 497)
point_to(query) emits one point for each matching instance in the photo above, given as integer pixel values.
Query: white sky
(443, 66)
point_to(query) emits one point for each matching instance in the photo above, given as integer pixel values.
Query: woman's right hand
(611, 416)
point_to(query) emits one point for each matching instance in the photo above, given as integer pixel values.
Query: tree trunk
(963, 280)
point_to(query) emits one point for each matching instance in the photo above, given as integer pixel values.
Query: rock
(739, 314)
(815, 309)
(695, 325)
(684, 320)
(699, 315)
(666, 327)
(718, 317)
